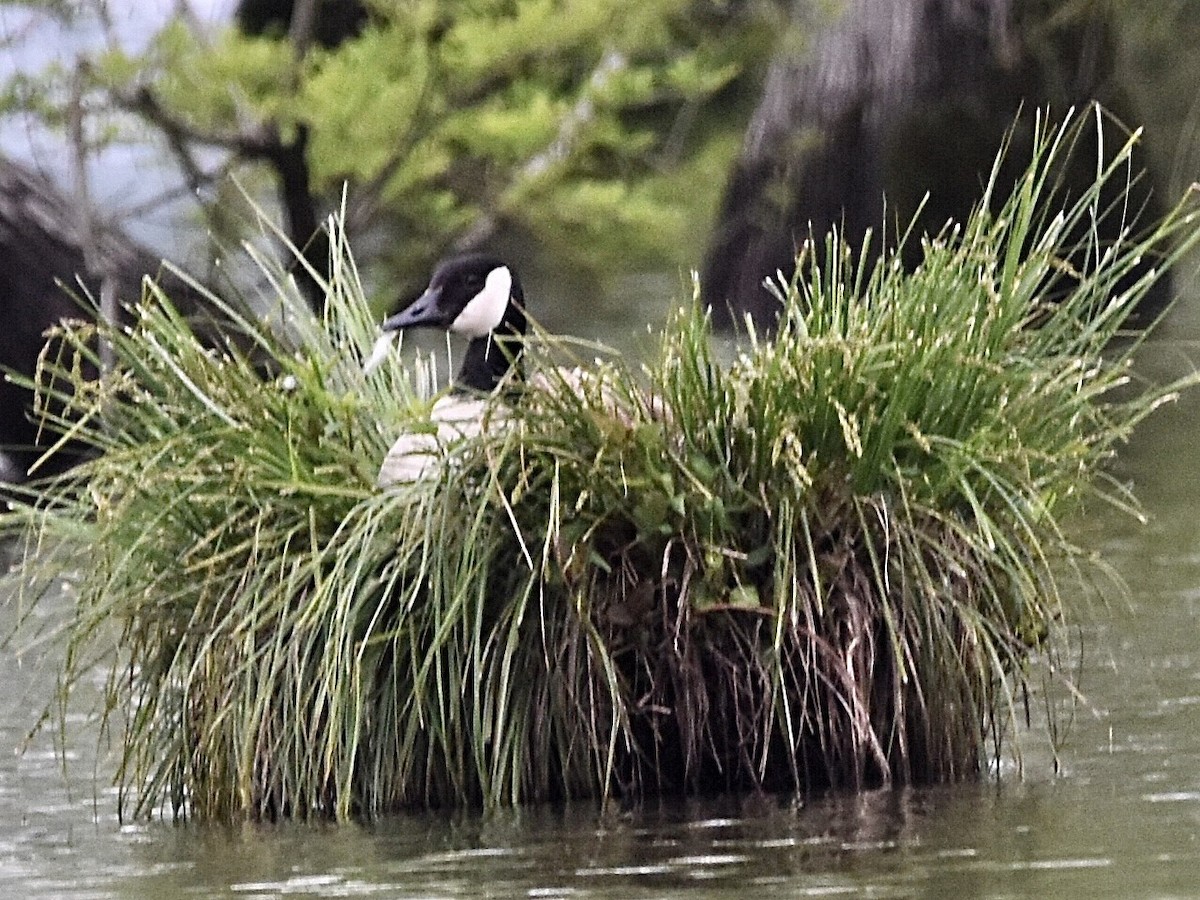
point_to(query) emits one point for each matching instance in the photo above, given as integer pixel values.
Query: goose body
(416, 455)
(480, 298)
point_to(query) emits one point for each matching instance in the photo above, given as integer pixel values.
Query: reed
(830, 561)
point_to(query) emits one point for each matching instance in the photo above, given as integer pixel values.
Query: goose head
(480, 298)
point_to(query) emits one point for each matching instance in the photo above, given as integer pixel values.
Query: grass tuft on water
(829, 562)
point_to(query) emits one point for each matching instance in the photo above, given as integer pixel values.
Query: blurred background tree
(599, 131)
(582, 124)
(894, 111)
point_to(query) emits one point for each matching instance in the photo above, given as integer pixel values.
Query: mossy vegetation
(830, 561)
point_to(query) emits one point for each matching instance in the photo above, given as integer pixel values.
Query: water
(1118, 816)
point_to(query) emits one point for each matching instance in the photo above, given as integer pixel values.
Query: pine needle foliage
(831, 561)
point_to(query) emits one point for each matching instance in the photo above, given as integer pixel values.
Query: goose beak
(422, 311)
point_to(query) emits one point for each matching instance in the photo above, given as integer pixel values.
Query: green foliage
(830, 561)
(442, 114)
(237, 76)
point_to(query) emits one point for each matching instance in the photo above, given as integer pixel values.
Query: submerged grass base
(830, 562)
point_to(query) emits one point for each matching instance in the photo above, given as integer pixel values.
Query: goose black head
(480, 298)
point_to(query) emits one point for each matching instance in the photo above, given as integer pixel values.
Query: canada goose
(476, 296)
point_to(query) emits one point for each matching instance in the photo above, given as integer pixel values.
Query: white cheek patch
(484, 312)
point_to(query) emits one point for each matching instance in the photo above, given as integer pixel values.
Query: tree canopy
(586, 124)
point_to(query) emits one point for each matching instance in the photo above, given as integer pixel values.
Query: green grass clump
(829, 562)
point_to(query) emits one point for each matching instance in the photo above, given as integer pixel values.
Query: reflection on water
(1122, 820)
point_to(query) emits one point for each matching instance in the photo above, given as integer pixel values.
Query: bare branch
(259, 141)
(88, 230)
(196, 182)
(183, 12)
(303, 27)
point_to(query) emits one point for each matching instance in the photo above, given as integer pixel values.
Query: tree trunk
(895, 99)
(300, 209)
(44, 254)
